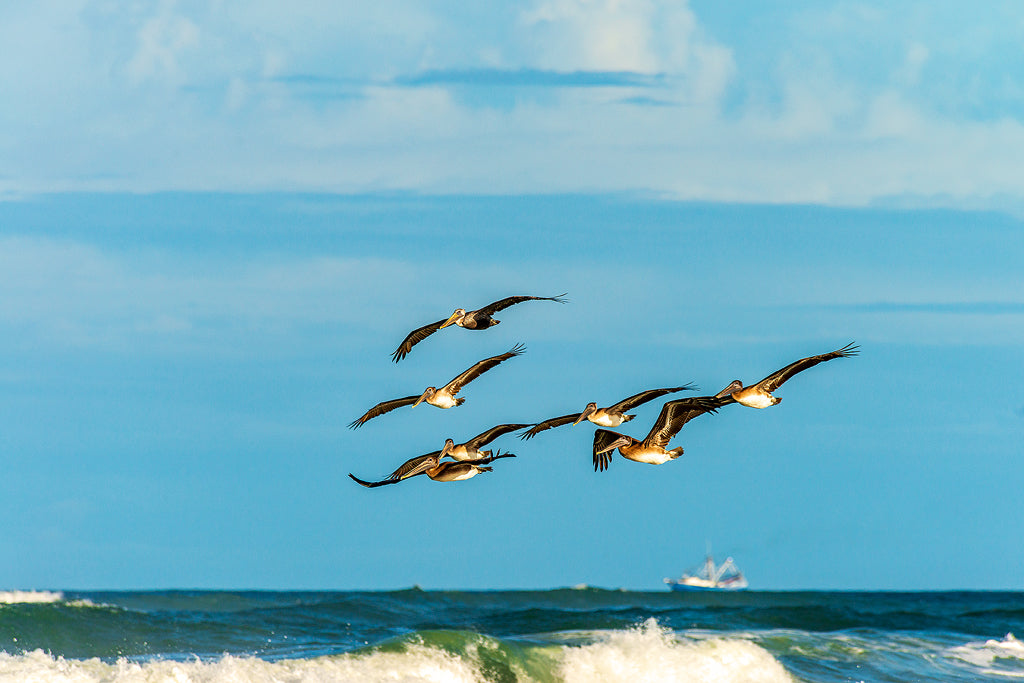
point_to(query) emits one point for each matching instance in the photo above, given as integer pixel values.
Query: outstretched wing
(410, 468)
(548, 424)
(480, 368)
(491, 309)
(645, 396)
(372, 484)
(415, 337)
(675, 414)
(777, 378)
(493, 433)
(604, 438)
(381, 408)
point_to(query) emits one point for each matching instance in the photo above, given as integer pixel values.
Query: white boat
(724, 577)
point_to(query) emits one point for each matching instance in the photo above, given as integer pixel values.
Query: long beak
(583, 416)
(421, 398)
(448, 445)
(449, 321)
(621, 441)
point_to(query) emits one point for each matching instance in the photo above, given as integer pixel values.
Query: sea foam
(653, 653)
(994, 657)
(416, 665)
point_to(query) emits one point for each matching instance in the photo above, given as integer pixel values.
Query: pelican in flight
(612, 416)
(445, 396)
(760, 395)
(438, 470)
(480, 319)
(652, 449)
(470, 450)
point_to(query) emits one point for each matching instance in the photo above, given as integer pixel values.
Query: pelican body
(480, 319)
(470, 450)
(653, 449)
(760, 395)
(612, 416)
(443, 397)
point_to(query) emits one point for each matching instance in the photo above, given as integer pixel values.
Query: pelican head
(587, 412)
(733, 387)
(428, 393)
(455, 317)
(618, 443)
(448, 445)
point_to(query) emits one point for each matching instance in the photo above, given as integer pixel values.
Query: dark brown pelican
(651, 450)
(479, 319)
(445, 396)
(611, 416)
(470, 450)
(438, 470)
(759, 395)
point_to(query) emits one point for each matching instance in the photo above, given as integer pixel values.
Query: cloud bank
(835, 104)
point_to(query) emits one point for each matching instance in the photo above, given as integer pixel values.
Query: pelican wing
(372, 484)
(778, 378)
(381, 408)
(675, 414)
(492, 434)
(491, 309)
(480, 368)
(548, 424)
(415, 337)
(603, 438)
(645, 396)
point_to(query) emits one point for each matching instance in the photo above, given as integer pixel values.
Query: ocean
(572, 634)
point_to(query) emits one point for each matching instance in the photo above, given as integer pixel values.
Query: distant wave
(17, 597)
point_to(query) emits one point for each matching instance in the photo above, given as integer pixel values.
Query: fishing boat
(724, 577)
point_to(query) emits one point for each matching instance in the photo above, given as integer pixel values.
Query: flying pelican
(651, 450)
(445, 396)
(470, 450)
(759, 395)
(480, 319)
(432, 466)
(611, 416)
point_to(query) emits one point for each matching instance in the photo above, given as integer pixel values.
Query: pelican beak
(448, 445)
(450, 320)
(422, 398)
(621, 441)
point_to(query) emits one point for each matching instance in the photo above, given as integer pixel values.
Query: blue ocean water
(581, 634)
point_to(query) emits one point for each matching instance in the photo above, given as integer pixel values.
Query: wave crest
(650, 652)
(20, 597)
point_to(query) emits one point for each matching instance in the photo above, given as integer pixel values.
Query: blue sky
(218, 220)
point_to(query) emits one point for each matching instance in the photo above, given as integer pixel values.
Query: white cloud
(161, 40)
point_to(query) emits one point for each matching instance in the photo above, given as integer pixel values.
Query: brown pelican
(480, 319)
(445, 396)
(438, 470)
(759, 395)
(470, 450)
(651, 450)
(611, 416)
